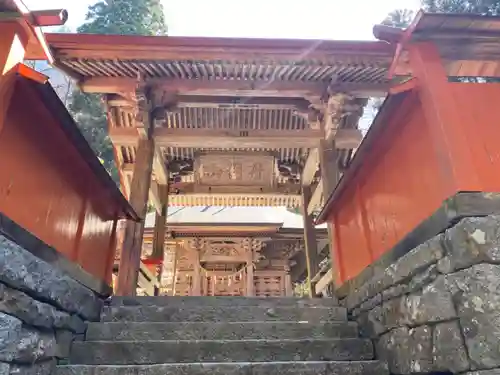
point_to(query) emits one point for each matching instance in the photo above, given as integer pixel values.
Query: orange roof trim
(29, 73)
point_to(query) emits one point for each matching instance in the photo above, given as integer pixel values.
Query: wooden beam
(215, 138)
(132, 244)
(131, 47)
(147, 280)
(316, 199)
(311, 246)
(242, 88)
(193, 188)
(218, 101)
(310, 167)
(324, 281)
(186, 188)
(145, 284)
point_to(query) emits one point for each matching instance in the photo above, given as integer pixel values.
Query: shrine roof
(86, 55)
(467, 43)
(279, 216)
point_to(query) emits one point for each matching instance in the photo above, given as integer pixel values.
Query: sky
(316, 19)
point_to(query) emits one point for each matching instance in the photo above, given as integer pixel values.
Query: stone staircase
(222, 335)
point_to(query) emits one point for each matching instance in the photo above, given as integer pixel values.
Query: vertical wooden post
(329, 169)
(311, 245)
(330, 175)
(132, 243)
(196, 290)
(288, 283)
(250, 280)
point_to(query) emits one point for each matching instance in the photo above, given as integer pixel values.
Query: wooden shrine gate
(226, 122)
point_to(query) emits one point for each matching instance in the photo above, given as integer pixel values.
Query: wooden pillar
(251, 247)
(250, 280)
(132, 243)
(196, 289)
(329, 168)
(130, 259)
(330, 176)
(311, 246)
(288, 283)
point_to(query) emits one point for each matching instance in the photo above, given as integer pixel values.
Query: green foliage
(399, 18)
(402, 17)
(89, 115)
(125, 17)
(485, 7)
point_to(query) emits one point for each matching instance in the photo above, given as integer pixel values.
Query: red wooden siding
(47, 188)
(406, 176)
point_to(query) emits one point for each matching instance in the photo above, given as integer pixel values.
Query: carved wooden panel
(229, 169)
(217, 248)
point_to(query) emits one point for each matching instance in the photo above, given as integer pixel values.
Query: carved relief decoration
(291, 249)
(229, 169)
(223, 248)
(253, 247)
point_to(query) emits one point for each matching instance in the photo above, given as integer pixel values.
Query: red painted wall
(403, 180)
(48, 189)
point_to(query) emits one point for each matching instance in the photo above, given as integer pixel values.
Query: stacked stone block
(437, 308)
(42, 310)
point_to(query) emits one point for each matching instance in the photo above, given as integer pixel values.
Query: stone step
(144, 331)
(221, 314)
(221, 301)
(256, 368)
(184, 351)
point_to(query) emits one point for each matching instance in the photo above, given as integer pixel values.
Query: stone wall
(42, 310)
(437, 308)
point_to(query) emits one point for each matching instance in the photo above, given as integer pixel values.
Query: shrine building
(232, 251)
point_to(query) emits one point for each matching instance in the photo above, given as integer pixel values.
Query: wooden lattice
(224, 284)
(183, 283)
(269, 286)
